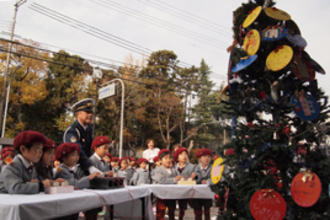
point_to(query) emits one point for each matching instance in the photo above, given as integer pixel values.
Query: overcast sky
(162, 24)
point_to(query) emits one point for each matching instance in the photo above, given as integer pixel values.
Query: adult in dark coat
(81, 132)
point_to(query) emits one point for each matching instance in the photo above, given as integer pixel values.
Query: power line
(91, 30)
(181, 30)
(189, 17)
(187, 14)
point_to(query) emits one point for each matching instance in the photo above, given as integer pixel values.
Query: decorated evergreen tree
(276, 165)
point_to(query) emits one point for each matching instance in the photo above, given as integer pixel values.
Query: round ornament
(217, 170)
(274, 33)
(277, 14)
(279, 58)
(305, 106)
(252, 42)
(267, 204)
(253, 15)
(306, 189)
(302, 69)
(244, 62)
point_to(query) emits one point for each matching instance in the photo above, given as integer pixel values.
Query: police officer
(81, 132)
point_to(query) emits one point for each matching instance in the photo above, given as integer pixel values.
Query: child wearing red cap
(114, 164)
(45, 165)
(165, 175)
(20, 177)
(124, 170)
(69, 169)
(141, 175)
(100, 146)
(7, 155)
(203, 171)
(68, 154)
(185, 169)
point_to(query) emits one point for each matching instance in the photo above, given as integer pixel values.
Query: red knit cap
(98, 141)
(132, 159)
(122, 159)
(156, 158)
(163, 152)
(204, 152)
(65, 149)
(7, 151)
(50, 144)
(141, 160)
(28, 138)
(114, 159)
(178, 152)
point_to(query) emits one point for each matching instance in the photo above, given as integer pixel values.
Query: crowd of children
(36, 162)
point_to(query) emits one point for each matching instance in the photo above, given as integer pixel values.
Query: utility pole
(7, 75)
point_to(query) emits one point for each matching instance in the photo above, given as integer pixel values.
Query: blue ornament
(274, 33)
(305, 106)
(244, 62)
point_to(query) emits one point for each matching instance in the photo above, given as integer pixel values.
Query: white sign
(107, 91)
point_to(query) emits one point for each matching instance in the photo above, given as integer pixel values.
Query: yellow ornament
(252, 17)
(279, 58)
(217, 170)
(252, 42)
(277, 14)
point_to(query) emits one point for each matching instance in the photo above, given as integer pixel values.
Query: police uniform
(76, 133)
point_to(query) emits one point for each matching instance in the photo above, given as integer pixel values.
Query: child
(165, 175)
(20, 177)
(114, 164)
(185, 169)
(141, 175)
(68, 154)
(107, 158)
(132, 163)
(45, 165)
(123, 170)
(100, 146)
(7, 155)
(203, 171)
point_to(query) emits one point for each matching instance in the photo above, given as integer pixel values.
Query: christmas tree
(276, 165)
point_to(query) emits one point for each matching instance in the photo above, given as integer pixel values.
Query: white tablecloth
(168, 191)
(43, 206)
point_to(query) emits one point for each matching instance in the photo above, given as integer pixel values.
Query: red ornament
(250, 124)
(229, 152)
(267, 204)
(262, 94)
(306, 189)
(216, 197)
(286, 130)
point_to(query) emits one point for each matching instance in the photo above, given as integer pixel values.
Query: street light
(6, 72)
(121, 112)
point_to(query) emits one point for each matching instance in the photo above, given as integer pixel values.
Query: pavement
(188, 216)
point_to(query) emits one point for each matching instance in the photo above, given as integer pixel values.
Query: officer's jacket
(77, 134)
